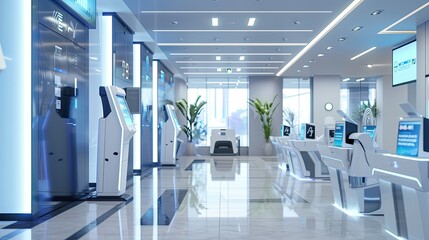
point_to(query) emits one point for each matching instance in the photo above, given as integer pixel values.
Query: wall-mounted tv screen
(408, 138)
(404, 64)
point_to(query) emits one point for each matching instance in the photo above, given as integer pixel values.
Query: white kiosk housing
(404, 179)
(115, 130)
(223, 142)
(304, 156)
(170, 130)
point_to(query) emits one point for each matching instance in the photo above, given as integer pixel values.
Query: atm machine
(170, 131)
(404, 178)
(116, 128)
(304, 156)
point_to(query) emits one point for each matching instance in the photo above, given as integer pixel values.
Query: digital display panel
(371, 130)
(404, 66)
(339, 134)
(408, 138)
(285, 130)
(85, 9)
(125, 111)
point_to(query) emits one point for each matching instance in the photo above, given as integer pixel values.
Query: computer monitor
(125, 111)
(343, 130)
(285, 130)
(371, 130)
(308, 131)
(408, 140)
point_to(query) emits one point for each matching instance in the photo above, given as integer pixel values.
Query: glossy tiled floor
(226, 198)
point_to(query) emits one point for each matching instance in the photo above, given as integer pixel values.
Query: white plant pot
(191, 149)
(268, 149)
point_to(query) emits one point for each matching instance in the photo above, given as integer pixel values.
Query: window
(297, 95)
(226, 105)
(355, 94)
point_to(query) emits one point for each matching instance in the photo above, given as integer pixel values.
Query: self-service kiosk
(170, 130)
(404, 179)
(354, 188)
(116, 128)
(304, 156)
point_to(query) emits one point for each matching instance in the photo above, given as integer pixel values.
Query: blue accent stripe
(168, 203)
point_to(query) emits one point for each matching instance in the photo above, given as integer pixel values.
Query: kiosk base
(123, 198)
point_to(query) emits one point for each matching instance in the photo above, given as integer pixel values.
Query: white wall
(388, 100)
(325, 89)
(264, 88)
(15, 100)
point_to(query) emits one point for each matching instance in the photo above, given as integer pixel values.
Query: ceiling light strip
(230, 61)
(319, 36)
(240, 67)
(224, 73)
(232, 30)
(232, 44)
(386, 30)
(362, 53)
(230, 54)
(232, 11)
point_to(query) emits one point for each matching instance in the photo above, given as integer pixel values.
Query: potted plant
(192, 128)
(265, 110)
(290, 117)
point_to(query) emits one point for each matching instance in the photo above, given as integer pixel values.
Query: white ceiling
(274, 26)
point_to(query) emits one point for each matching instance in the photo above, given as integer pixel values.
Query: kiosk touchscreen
(170, 130)
(308, 131)
(370, 129)
(116, 128)
(410, 132)
(285, 131)
(343, 130)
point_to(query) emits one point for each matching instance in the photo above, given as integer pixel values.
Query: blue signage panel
(408, 138)
(84, 9)
(339, 135)
(125, 111)
(371, 130)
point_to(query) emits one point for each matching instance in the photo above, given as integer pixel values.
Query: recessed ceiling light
(181, 39)
(360, 79)
(246, 39)
(352, 6)
(357, 28)
(341, 39)
(312, 61)
(329, 48)
(215, 22)
(362, 53)
(296, 22)
(305, 66)
(229, 70)
(174, 22)
(219, 69)
(299, 70)
(251, 22)
(238, 69)
(284, 39)
(346, 79)
(242, 58)
(376, 12)
(321, 55)
(218, 58)
(278, 49)
(369, 65)
(216, 39)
